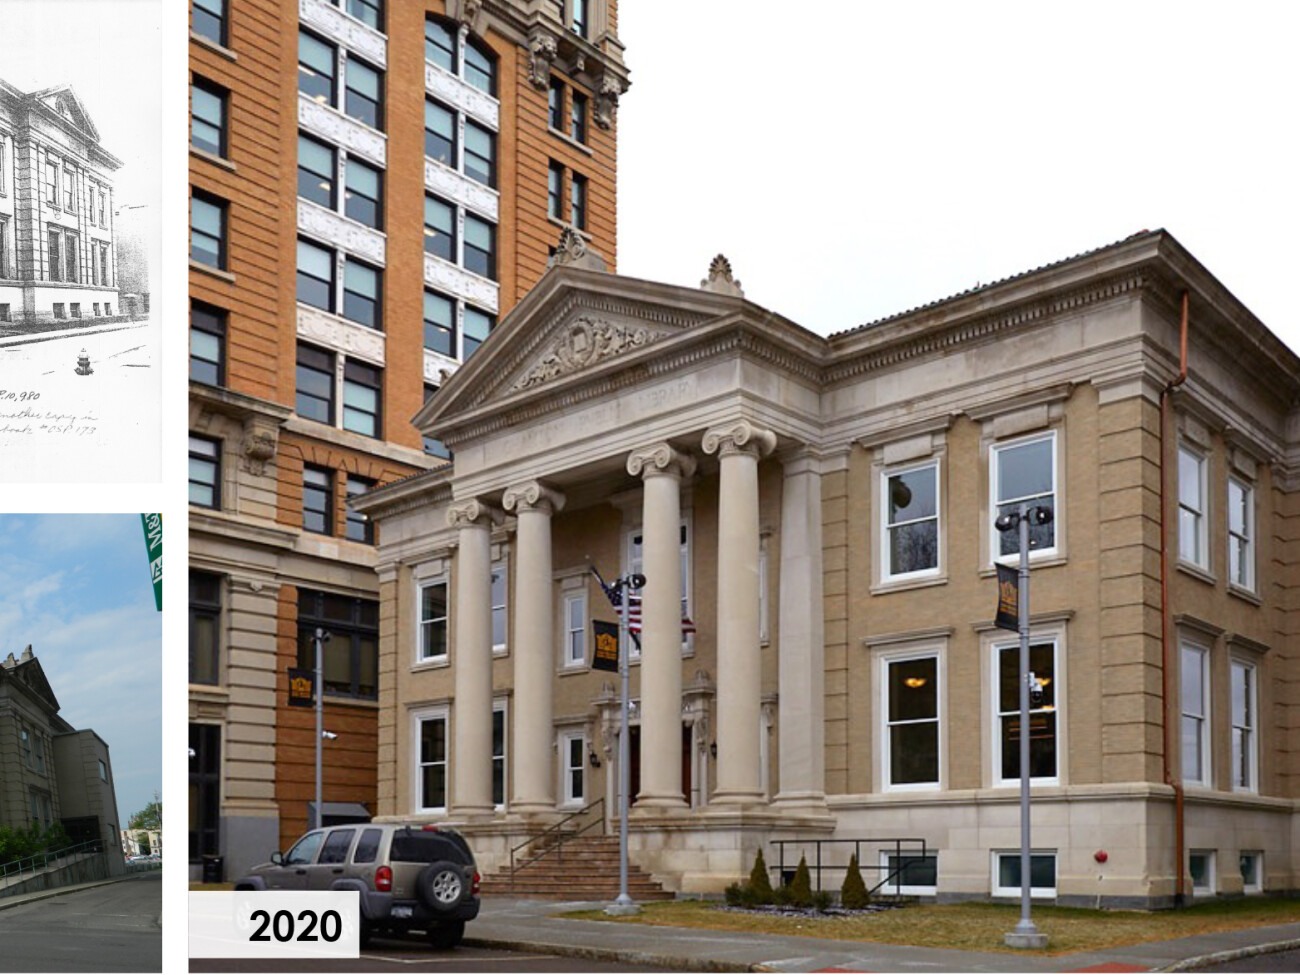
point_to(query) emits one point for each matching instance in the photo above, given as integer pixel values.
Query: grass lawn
(977, 926)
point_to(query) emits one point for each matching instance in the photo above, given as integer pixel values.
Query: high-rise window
(369, 12)
(207, 121)
(578, 201)
(1241, 534)
(555, 104)
(359, 528)
(361, 398)
(205, 628)
(363, 194)
(362, 293)
(210, 20)
(1192, 545)
(554, 190)
(318, 500)
(480, 68)
(207, 343)
(579, 22)
(480, 154)
(315, 276)
(439, 324)
(439, 133)
(432, 445)
(316, 171)
(364, 101)
(351, 661)
(207, 230)
(205, 472)
(578, 117)
(440, 228)
(480, 247)
(440, 44)
(317, 68)
(1245, 756)
(1024, 472)
(315, 384)
(477, 326)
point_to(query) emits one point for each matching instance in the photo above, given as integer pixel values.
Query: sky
(77, 588)
(854, 160)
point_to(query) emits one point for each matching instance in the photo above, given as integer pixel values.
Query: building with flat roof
(815, 518)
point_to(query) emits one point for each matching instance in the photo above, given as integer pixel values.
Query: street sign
(606, 639)
(153, 545)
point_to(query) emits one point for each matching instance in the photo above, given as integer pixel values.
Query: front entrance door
(688, 736)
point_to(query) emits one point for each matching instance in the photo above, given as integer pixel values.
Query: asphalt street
(113, 928)
(1278, 961)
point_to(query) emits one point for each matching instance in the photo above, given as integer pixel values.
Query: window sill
(570, 140)
(436, 663)
(1048, 561)
(582, 668)
(1197, 572)
(208, 157)
(585, 235)
(903, 585)
(368, 704)
(1245, 595)
(217, 273)
(214, 47)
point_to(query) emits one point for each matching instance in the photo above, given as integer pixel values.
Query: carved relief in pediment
(583, 343)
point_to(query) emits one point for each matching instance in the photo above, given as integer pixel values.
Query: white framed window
(430, 750)
(911, 751)
(1241, 534)
(635, 562)
(909, 529)
(1044, 724)
(919, 876)
(1042, 873)
(1200, 864)
(433, 609)
(573, 767)
(575, 630)
(1023, 472)
(500, 609)
(1245, 750)
(499, 732)
(1195, 704)
(1252, 871)
(1193, 545)
(764, 603)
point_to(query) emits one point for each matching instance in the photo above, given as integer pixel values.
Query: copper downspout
(1164, 610)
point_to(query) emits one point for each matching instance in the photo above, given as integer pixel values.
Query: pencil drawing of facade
(58, 255)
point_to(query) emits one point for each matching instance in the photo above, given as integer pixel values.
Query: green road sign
(153, 544)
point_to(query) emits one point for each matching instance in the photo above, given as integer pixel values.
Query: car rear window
(428, 848)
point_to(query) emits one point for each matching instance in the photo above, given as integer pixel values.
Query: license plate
(401, 911)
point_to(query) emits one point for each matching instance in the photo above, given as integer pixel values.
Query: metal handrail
(901, 861)
(558, 829)
(18, 868)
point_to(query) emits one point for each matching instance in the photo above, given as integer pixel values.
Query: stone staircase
(586, 869)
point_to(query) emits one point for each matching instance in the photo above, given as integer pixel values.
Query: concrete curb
(53, 335)
(40, 895)
(671, 962)
(1234, 954)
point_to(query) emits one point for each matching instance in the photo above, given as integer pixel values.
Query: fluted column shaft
(801, 669)
(532, 636)
(661, 468)
(472, 752)
(739, 446)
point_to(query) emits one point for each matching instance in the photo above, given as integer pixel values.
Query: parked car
(410, 878)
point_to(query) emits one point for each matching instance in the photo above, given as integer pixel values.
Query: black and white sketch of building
(58, 254)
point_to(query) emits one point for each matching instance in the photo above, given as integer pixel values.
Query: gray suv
(410, 878)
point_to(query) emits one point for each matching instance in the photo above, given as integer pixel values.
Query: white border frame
(418, 715)
(890, 578)
(1055, 635)
(1207, 753)
(1042, 893)
(441, 579)
(883, 727)
(1056, 551)
(1211, 872)
(1252, 691)
(565, 736)
(915, 890)
(1251, 539)
(1202, 526)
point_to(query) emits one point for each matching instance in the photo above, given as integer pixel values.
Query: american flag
(634, 610)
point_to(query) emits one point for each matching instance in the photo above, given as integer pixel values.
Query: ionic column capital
(660, 459)
(739, 437)
(532, 495)
(473, 513)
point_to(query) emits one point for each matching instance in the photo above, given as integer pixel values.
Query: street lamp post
(320, 638)
(1025, 934)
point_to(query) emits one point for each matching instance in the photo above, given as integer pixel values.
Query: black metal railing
(551, 840)
(905, 852)
(32, 865)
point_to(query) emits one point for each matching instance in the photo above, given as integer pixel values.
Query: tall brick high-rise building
(373, 186)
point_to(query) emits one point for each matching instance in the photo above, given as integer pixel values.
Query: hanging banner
(301, 683)
(606, 640)
(153, 546)
(1008, 615)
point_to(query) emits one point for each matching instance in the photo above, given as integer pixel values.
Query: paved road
(113, 928)
(1278, 961)
(412, 955)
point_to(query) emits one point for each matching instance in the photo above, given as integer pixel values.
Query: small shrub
(853, 895)
(733, 894)
(801, 885)
(781, 897)
(821, 900)
(760, 886)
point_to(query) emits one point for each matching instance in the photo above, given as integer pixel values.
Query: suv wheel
(441, 886)
(447, 935)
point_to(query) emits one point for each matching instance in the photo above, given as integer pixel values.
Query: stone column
(662, 469)
(801, 756)
(471, 771)
(739, 446)
(532, 637)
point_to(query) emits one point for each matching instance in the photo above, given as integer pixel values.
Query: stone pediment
(30, 675)
(585, 341)
(63, 102)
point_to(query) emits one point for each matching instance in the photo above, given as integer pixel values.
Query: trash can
(213, 868)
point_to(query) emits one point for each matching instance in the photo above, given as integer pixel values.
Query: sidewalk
(40, 895)
(523, 925)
